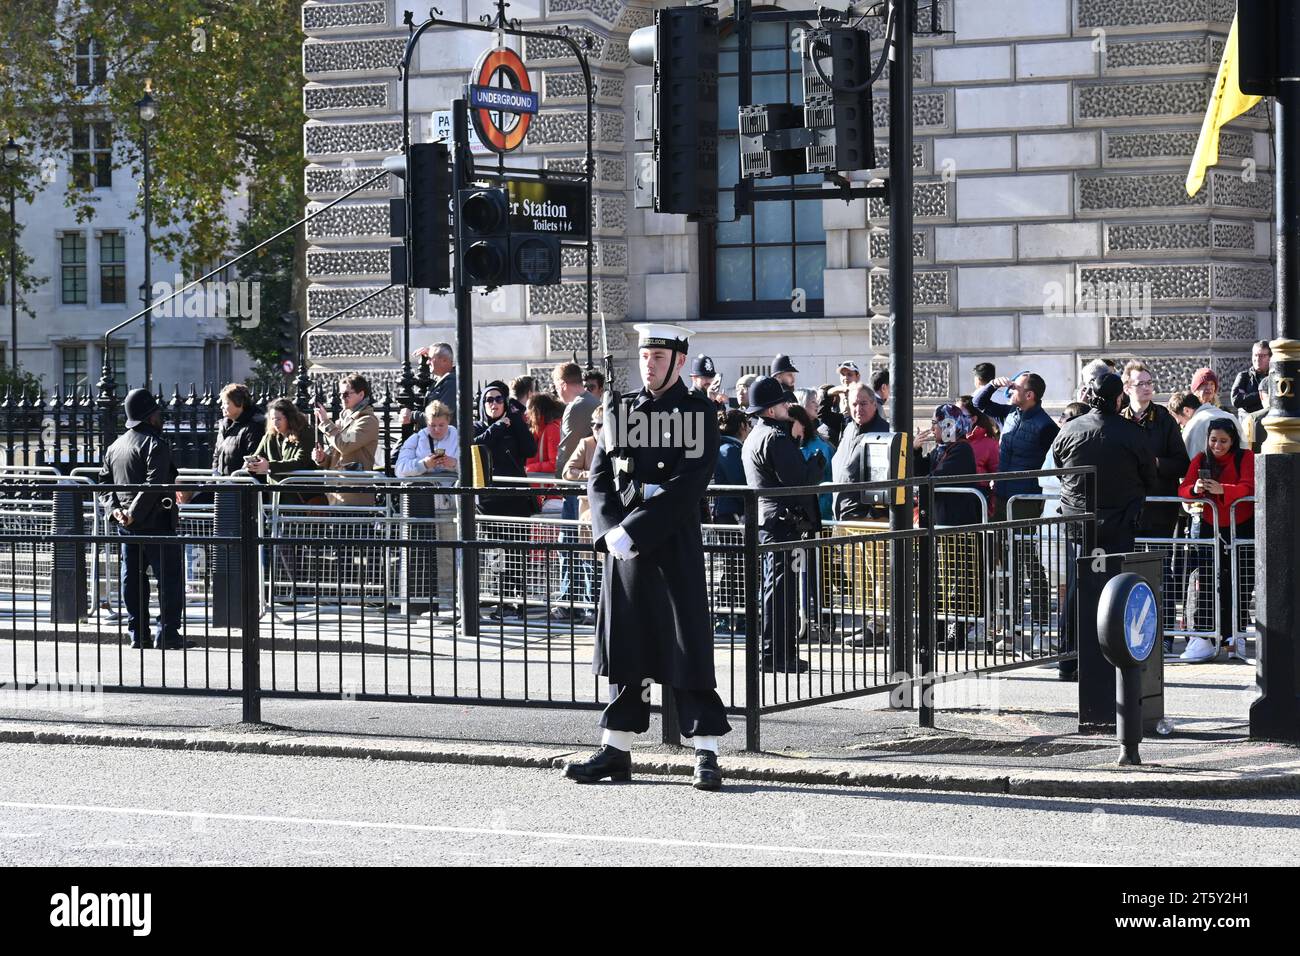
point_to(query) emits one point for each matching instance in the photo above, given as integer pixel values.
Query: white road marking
(537, 834)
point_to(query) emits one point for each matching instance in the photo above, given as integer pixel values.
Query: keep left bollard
(1128, 627)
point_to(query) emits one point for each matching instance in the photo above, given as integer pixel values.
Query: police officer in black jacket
(1126, 467)
(141, 456)
(773, 460)
(1126, 475)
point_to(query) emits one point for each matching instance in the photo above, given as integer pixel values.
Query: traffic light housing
(1266, 48)
(428, 231)
(490, 255)
(683, 47)
(839, 113)
(286, 337)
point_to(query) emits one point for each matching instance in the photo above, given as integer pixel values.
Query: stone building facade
(1052, 226)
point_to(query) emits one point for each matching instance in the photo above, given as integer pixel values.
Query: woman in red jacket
(1224, 473)
(545, 412)
(983, 439)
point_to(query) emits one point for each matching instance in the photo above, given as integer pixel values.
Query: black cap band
(676, 345)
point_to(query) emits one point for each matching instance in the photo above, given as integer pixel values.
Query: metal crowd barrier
(1191, 600)
(1242, 554)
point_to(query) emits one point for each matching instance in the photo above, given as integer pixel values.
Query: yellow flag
(1227, 102)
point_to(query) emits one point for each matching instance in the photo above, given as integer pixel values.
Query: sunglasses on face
(494, 400)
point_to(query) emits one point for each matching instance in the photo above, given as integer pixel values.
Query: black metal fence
(71, 430)
(364, 601)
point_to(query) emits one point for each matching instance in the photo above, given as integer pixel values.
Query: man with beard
(652, 467)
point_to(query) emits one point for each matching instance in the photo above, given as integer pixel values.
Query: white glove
(619, 543)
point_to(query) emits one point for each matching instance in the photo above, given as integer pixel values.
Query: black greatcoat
(653, 617)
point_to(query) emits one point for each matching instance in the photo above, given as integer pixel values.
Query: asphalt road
(77, 806)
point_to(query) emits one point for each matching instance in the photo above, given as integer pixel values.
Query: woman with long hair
(285, 447)
(1223, 473)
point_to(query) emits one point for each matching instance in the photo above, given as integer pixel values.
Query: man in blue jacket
(1027, 435)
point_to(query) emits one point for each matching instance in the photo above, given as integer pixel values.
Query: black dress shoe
(707, 774)
(791, 665)
(606, 762)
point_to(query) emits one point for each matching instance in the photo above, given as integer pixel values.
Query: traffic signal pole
(461, 165)
(1275, 714)
(900, 333)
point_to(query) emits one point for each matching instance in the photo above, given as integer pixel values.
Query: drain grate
(978, 746)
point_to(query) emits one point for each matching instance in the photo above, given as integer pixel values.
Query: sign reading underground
(491, 105)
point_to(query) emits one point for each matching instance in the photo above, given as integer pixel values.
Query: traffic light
(1266, 48)
(428, 231)
(286, 337)
(683, 48)
(490, 255)
(839, 113)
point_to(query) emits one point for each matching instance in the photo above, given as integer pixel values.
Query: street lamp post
(11, 153)
(148, 111)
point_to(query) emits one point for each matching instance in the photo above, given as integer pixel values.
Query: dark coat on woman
(509, 443)
(951, 508)
(653, 619)
(235, 440)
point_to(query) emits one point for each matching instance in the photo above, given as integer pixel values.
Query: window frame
(118, 265)
(711, 307)
(91, 165)
(88, 54)
(84, 350)
(66, 266)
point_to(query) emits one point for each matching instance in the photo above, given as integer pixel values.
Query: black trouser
(700, 712)
(780, 603)
(166, 563)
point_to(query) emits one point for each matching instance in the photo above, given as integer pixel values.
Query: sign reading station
(501, 111)
(558, 209)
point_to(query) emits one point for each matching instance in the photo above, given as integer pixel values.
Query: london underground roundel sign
(502, 101)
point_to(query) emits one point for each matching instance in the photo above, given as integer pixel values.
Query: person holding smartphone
(1223, 473)
(431, 450)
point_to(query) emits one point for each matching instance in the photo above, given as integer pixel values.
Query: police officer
(773, 460)
(1126, 467)
(1126, 474)
(783, 371)
(653, 464)
(141, 456)
(705, 377)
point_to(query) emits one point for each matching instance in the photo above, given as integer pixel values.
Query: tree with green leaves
(229, 94)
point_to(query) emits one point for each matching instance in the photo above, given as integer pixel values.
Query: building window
(218, 363)
(92, 68)
(112, 268)
(73, 265)
(74, 369)
(756, 264)
(92, 155)
(117, 362)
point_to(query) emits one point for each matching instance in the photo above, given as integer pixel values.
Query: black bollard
(70, 599)
(226, 561)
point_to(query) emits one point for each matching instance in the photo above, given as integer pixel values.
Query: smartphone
(439, 452)
(1204, 473)
(249, 458)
